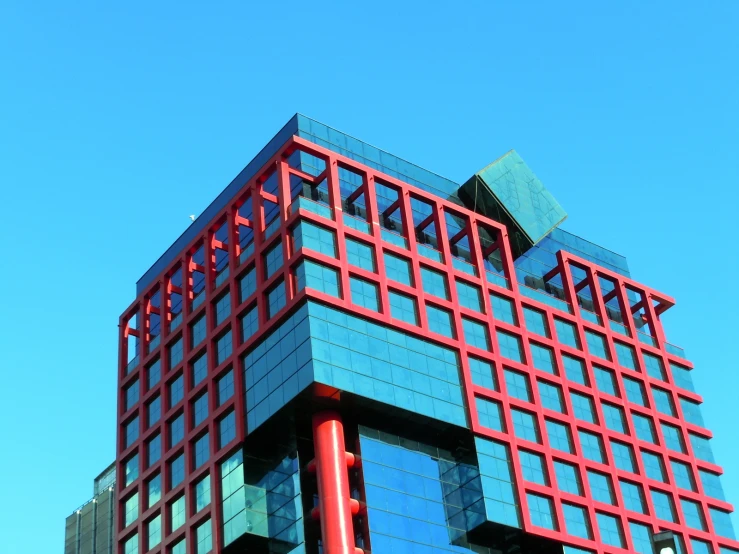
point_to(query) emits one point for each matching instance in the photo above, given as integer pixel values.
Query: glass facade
(365, 283)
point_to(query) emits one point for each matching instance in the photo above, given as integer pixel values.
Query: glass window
(226, 429)
(199, 369)
(200, 410)
(273, 260)
(626, 355)
(583, 407)
(223, 308)
(131, 510)
(543, 358)
(154, 411)
(177, 471)
(592, 446)
(318, 277)
(403, 307)
(641, 537)
(663, 401)
(701, 448)
(700, 547)
(247, 284)
(653, 466)
(541, 511)
(559, 436)
(673, 437)
(692, 412)
(155, 531)
(597, 344)
(175, 353)
(153, 374)
(177, 513)
(551, 396)
(633, 496)
(532, 466)
(176, 430)
(399, 269)
(225, 387)
(525, 425)
(722, 523)
(482, 373)
(600, 487)
(517, 385)
(635, 391)
(575, 370)
(693, 514)
(131, 432)
(536, 321)
(469, 296)
(440, 321)
(712, 484)
(249, 324)
(683, 475)
(644, 428)
(276, 299)
(203, 537)
(179, 547)
(360, 255)
(623, 456)
(566, 333)
(614, 416)
(488, 412)
(682, 376)
(476, 334)
(154, 486)
(510, 346)
(224, 347)
(202, 450)
(568, 477)
(314, 237)
(577, 523)
(364, 293)
(198, 331)
(132, 395)
(611, 532)
(131, 470)
(154, 449)
(176, 391)
(663, 506)
(131, 546)
(503, 309)
(605, 381)
(434, 283)
(655, 367)
(202, 493)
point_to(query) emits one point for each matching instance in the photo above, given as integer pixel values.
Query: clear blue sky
(118, 121)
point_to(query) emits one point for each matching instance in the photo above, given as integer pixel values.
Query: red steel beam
(334, 502)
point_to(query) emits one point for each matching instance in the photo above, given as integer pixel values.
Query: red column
(334, 500)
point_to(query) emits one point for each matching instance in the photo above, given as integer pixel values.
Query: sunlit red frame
(654, 303)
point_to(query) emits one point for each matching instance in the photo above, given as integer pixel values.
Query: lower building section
(360, 476)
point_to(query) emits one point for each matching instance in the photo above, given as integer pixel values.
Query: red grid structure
(157, 302)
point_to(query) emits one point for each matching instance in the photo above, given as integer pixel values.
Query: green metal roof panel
(522, 195)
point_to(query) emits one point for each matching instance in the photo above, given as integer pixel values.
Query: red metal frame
(653, 303)
(336, 507)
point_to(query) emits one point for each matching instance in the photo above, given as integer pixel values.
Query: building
(91, 527)
(347, 352)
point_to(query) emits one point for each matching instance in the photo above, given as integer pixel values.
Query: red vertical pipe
(337, 530)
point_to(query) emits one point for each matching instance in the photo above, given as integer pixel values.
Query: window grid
(548, 318)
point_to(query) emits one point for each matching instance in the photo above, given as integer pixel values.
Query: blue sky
(118, 121)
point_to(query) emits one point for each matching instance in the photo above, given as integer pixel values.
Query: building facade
(347, 352)
(91, 527)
